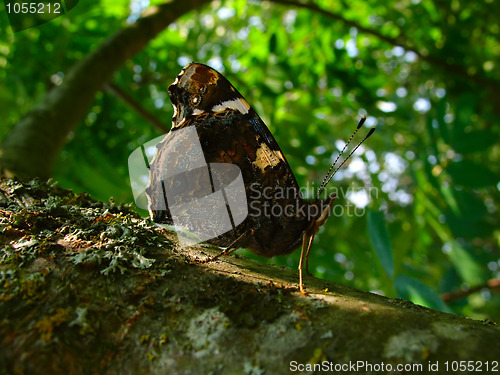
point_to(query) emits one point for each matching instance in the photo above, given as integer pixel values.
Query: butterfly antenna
(329, 175)
(323, 184)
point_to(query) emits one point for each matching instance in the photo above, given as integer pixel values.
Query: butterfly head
(199, 89)
(323, 211)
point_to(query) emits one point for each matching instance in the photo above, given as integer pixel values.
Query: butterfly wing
(228, 130)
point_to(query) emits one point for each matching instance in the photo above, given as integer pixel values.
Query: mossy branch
(89, 287)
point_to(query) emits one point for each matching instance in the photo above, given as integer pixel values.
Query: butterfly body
(229, 131)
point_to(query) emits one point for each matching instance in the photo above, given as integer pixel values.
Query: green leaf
(381, 243)
(470, 174)
(470, 205)
(473, 141)
(465, 228)
(464, 112)
(467, 266)
(272, 43)
(440, 116)
(419, 293)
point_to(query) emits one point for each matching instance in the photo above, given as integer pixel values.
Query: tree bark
(88, 287)
(32, 146)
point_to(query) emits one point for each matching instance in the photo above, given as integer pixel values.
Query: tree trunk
(32, 146)
(88, 287)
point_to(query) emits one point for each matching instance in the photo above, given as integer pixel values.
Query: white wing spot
(197, 112)
(240, 105)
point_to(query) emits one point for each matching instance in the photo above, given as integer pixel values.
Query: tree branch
(88, 287)
(32, 146)
(126, 98)
(491, 284)
(398, 41)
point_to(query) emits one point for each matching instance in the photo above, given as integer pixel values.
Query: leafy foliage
(425, 73)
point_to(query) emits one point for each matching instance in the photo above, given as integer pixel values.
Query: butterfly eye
(196, 100)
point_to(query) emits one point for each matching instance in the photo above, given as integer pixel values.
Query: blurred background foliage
(418, 213)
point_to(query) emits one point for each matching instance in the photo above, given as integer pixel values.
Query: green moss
(47, 324)
(30, 288)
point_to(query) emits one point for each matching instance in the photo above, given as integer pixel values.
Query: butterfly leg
(306, 247)
(314, 227)
(235, 245)
(311, 239)
(228, 250)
